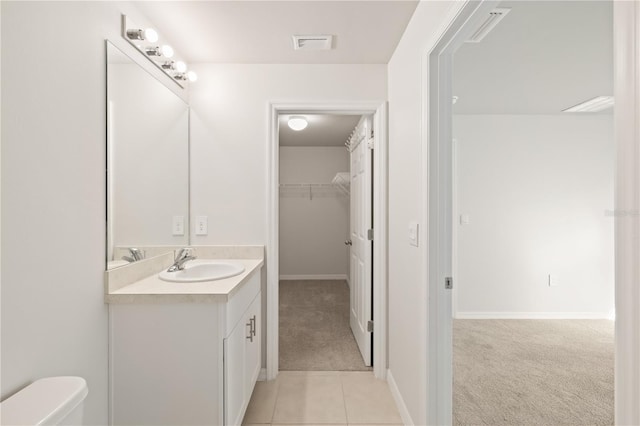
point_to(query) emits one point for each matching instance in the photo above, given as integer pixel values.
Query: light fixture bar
(145, 40)
(495, 16)
(596, 104)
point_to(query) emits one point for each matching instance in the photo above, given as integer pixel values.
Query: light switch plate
(413, 233)
(464, 219)
(553, 281)
(201, 225)
(178, 225)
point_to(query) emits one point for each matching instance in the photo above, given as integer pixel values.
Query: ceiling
(543, 57)
(365, 32)
(323, 130)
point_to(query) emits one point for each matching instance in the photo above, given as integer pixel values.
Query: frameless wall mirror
(147, 163)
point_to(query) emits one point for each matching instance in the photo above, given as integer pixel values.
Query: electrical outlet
(553, 281)
(201, 225)
(178, 225)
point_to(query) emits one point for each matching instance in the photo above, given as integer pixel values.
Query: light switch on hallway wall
(201, 225)
(464, 219)
(178, 225)
(413, 233)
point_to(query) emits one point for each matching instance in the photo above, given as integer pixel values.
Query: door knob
(348, 243)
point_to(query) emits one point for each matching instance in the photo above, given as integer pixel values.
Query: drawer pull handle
(252, 321)
(250, 325)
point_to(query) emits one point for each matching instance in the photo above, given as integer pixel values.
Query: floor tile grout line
(275, 403)
(344, 399)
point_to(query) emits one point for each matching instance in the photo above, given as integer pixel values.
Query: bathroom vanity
(184, 353)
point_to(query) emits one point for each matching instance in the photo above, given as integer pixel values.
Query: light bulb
(192, 76)
(150, 35)
(166, 50)
(297, 123)
(181, 66)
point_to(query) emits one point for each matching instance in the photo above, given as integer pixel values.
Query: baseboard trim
(532, 315)
(314, 277)
(262, 376)
(402, 407)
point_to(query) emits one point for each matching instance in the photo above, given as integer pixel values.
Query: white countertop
(154, 290)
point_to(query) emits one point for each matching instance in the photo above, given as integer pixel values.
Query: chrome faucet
(184, 255)
(136, 255)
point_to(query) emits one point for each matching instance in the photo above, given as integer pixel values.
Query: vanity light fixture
(168, 65)
(181, 67)
(162, 55)
(148, 34)
(297, 123)
(167, 51)
(153, 51)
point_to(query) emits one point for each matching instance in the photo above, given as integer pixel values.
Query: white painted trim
(627, 208)
(380, 241)
(380, 179)
(314, 277)
(271, 249)
(397, 397)
(533, 315)
(437, 92)
(455, 221)
(262, 375)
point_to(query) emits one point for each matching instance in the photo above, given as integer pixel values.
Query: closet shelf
(310, 190)
(342, 181)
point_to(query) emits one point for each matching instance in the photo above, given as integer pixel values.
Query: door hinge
(369, 326)
(370, 234)
(371, 143)
(448, 283)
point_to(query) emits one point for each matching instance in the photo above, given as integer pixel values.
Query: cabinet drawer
(239, 302)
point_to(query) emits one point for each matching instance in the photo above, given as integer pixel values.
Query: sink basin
(203, 270)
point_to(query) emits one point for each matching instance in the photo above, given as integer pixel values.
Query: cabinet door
(234, 381)
(253, 346)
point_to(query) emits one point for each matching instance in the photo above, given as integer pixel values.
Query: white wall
(229, 135)
(313, 229)
(54, 320)
(536, 189)
(407, 284)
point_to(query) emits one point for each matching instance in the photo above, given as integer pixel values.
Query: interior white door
(361, 246)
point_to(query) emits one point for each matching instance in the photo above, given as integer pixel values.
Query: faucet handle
(136, 253)
(184, 252)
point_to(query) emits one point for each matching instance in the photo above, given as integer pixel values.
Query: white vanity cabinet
(242, 360)
(183, 360)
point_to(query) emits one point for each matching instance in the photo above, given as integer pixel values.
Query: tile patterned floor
(322, 398)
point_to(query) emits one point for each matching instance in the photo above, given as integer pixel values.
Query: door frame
(436, 164)
(380, 189)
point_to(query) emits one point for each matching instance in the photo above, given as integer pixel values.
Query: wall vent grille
(312, 42)
(495, 16)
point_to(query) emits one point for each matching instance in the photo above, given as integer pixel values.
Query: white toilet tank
(48, 401)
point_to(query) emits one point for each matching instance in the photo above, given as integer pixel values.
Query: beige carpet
(314, 327)
(533, 372)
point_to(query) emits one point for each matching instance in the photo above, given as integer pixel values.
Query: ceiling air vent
(492, 20)
(312, 42)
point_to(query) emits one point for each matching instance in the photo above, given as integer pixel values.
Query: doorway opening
(444, 219)
(533, 245)
(322, 311)
(363, 277)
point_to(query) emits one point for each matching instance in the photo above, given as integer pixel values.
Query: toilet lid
(44, 402)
